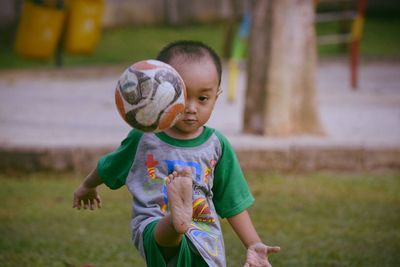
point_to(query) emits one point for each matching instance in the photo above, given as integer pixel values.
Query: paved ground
(74, 108)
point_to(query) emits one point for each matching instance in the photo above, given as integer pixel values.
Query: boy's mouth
(190, 120)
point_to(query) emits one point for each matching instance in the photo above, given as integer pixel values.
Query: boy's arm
(257, 252)
(86, 194)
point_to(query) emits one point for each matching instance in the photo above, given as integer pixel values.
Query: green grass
(124, 45)
(128, 44)
(318, 220)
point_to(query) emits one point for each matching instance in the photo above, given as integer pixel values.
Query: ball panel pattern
(151, 95)
(145, 65)
(170, 116)
(120, 104)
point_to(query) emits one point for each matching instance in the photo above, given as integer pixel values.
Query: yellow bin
(39, 30)
(83, 25)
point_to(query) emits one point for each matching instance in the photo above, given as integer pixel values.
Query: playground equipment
(49, 27)
(39, 30)
(238, 50)
(83, 26)
(349, 14)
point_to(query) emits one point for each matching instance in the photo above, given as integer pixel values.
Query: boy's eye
(203, 98)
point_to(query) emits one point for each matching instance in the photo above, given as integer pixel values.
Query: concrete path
(63, 119)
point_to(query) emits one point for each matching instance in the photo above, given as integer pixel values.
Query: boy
(182, 179)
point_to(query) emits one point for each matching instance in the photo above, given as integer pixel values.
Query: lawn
(317, 219)
(123, 45)
(128, 44)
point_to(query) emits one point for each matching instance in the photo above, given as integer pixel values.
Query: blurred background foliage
(129, 43)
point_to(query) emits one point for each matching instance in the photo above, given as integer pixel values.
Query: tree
(280, 96)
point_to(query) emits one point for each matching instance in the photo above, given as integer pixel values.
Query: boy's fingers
(187, 171)
(91, 204)
(76, 203)
(98, 201)
(86, 204)
(273, 249)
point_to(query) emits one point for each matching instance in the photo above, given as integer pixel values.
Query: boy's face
(202, 87)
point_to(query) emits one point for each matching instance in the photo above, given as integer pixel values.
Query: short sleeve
(230, 189)
(113, 168)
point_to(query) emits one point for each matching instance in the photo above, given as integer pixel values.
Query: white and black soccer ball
(150, 96)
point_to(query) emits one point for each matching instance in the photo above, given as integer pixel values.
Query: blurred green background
(127, 44)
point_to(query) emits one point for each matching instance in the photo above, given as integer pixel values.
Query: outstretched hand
(87, 198)
(257, 255)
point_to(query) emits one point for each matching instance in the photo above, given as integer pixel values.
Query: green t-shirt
(219, 188)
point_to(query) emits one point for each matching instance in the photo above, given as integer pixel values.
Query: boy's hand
(257, 255)
(86, 196)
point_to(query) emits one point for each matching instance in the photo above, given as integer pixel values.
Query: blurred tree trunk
(230, 28)
(172, 12)
(280, 96)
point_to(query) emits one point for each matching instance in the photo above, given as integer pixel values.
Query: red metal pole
(357, 29)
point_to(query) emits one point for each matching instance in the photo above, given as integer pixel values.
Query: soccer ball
(150, 96)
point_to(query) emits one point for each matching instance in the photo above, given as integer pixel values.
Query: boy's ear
(219, 91)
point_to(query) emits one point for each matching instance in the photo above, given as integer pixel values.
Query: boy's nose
(190, 107)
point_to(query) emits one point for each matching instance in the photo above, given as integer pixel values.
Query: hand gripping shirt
(142, 162)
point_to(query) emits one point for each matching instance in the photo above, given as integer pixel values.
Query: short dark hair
(190, 50)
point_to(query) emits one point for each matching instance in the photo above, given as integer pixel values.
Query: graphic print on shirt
(203, 232)
(207, 173)
(151, 166)
(152, 186)
(201, 211)
(209, 170)
(171, 164)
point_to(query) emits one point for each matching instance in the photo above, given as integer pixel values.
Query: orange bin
(39, 30)
(83, 27)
